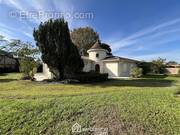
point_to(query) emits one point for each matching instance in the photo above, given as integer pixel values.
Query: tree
(106, 47)
(58, 51)
(2, 39)
(146, 67)
(172, 63)
(28, 67)
(84, 38)
(158, 66)
(27, 57)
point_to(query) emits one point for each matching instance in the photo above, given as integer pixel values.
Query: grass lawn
(139, 106)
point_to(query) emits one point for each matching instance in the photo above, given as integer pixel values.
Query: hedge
(90, 77)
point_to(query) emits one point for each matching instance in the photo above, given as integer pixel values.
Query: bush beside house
(146, 67)
(179, 72)
(90, 77)
(136, 72)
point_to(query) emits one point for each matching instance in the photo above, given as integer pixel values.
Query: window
(97, 55)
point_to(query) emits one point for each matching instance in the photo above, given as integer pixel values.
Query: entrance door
(97, 68)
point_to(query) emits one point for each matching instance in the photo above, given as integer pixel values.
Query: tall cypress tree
(58, 51)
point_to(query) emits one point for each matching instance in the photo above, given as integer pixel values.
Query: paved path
(39, 76)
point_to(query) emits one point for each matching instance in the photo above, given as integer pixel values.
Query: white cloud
(147, 33)
(28, 34)
(13, 3)
(8, 32)
(63, 6)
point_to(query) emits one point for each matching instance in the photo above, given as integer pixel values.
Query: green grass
(138, 106)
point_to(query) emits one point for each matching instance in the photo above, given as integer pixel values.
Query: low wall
(173, 71)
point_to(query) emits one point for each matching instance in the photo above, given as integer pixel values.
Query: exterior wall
(7, 62)
(125, 68)
(116, 68)
(88, 65)
(101, 64)
(111, 68)
(173, 71)
(46, 72)
(102, 54)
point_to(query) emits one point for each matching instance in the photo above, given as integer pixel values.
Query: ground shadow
(134, 83)
(153, 76)
(7, 80)
(3, 74)
(177, 93)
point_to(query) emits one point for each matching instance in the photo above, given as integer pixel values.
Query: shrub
(90, 77)
(158, 66)
(146, 67)
(178, 93)
(28, 67)
(136, 72)
(179, 72)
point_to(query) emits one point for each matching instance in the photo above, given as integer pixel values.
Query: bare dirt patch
(109, 118)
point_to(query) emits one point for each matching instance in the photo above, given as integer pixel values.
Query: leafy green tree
(172, 63)
(146, 67)
(106, 47)
(58, 51)
(25, 52)
(158, 66)
(84, 38)
(2, 43)
(2, 38)
(27, 56)
(28, 67)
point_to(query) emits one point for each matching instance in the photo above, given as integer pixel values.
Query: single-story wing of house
(7, 62)
(173, 69)
(99, 61)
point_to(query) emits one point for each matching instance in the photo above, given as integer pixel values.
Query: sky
(138, 29)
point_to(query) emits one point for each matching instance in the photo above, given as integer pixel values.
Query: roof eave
(96, 50)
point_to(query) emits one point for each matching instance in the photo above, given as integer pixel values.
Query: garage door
(111, 69)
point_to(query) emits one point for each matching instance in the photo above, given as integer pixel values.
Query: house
(172, 69)
(99, 61)
(7, 62)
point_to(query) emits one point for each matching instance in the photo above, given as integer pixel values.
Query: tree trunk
(61, 77)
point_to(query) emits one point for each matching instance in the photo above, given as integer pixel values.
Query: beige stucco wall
(125, 68)
(111, 68)
(121, 68)
(88, 65)
(118, 68)
(46, 72)
(173, 71)
(92, 54)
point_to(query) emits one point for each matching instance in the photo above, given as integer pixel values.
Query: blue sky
(139, 29)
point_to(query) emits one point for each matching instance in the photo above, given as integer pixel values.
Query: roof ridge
(97, 45)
